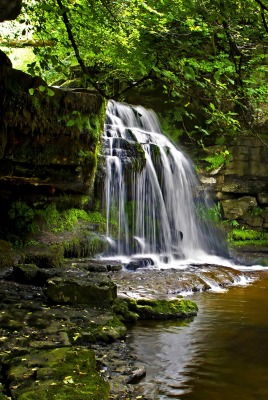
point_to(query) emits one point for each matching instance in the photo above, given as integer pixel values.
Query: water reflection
(222, 353)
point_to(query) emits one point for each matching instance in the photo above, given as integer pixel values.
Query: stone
(262, 198)
(236, 208)
(44, 256)
(136, 376)
(157, 309)
(25, 273)
(139, 263)
(254, 221)
(96, 290)
(7, 255)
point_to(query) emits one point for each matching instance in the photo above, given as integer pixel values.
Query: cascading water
(156, 199)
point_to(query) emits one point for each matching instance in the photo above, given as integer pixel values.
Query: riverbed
(220, 354)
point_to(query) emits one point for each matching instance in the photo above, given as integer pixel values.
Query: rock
(253, 220)
(157, 309)
(44, 256)
(25, 273)
(96, 290)
(263, 198)
(61, 373)
(236, 208)
(136, 376)
(139, 263)
(7, 255)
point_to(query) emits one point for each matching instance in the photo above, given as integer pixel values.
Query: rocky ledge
(63, 329)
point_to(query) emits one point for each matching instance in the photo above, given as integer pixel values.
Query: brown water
(220, 354)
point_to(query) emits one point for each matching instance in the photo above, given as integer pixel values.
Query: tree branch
(75, 47)
(26, 43)
(263, 8)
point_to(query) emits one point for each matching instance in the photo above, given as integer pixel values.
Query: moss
(156, 309)
(60, 374)
(250, 236)
(121, 308)
(139, 159)
(165, 309)
(84, 246)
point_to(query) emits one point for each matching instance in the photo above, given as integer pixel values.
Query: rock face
(49, 141)
(242, 185)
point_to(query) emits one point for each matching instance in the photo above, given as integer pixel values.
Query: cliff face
(242, 185)
(49, 140)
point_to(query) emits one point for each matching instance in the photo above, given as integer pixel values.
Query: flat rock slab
(94, 290)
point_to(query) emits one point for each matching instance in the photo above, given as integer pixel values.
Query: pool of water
(220, 354)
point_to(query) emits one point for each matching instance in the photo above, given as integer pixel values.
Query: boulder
(95, 290)
(236, 208)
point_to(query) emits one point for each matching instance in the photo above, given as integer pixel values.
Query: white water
(167, 202)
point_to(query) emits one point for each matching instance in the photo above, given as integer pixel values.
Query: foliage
(26, 218)
(208, 57)
(248, 235)
(209, 213)
(217, 160)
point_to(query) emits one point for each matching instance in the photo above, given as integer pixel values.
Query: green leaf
(71, 122)
(31, 91)
(50, 92)
(41, 88)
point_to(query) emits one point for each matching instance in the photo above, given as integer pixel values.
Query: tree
(209, 57)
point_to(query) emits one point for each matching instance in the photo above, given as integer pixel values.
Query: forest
(207, 58)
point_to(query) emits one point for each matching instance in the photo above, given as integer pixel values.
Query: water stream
(220, 354)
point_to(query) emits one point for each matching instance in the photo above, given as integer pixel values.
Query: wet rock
(44, 256)
(25, 273)
(136, 376)
(139, 263)
(94, 290)
(157, 309)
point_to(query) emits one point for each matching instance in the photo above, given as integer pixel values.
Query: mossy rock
(61, 373)
(85, 246)
(7, 255)
(110, 330)
(121, 308)
(95, 290)
(44, 256)
(25, 273)
(155, 309)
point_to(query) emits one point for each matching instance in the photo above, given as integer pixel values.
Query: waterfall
(152, 192)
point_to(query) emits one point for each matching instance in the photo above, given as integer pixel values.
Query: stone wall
(242, 185)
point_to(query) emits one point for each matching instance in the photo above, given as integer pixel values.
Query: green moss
(109, 330)
(121, 307)
(60, 374)
(238, 236)
(84, 246)
(156, 309)
(165, 309)
(139, 159)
